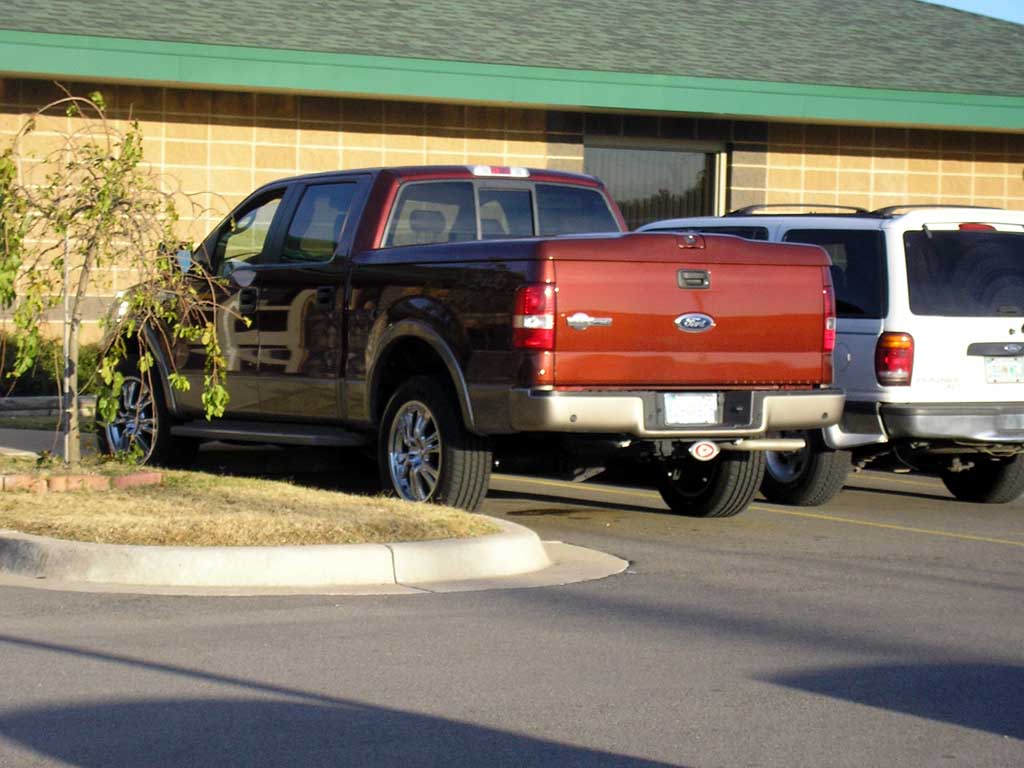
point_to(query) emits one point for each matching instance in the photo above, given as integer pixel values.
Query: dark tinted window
(433, 212)
(965, 274)
(858, 267)
(506, 213)
(565, 210)
(750, 233)
(318, 222)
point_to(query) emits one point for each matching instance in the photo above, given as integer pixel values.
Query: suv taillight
(533, 324)
(894, 359)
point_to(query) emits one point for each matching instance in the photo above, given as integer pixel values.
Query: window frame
(720, 149)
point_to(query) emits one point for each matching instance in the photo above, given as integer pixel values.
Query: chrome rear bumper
(745, 414)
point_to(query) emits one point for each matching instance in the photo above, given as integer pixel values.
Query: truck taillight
(828, 339)
(533, 324)
(828, 333)
(894, 359)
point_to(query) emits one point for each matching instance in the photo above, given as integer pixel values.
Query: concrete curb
(515, 552)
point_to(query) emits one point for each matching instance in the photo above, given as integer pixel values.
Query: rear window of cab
(429, 212)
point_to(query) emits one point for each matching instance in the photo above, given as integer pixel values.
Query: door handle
(247, 299)
(325, 297)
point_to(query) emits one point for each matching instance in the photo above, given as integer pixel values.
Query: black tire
(806, 478)
(722, 487)
(143, 422)
(989, 481)
(424, 451)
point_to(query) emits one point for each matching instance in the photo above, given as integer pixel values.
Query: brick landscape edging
(62, 483)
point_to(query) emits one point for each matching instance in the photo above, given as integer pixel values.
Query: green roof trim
(80, 57)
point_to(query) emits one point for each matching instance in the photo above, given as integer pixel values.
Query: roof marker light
(500, 170)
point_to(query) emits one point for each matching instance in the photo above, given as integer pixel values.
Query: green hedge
(43, 377)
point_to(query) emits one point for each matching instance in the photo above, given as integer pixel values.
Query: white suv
(930, 345)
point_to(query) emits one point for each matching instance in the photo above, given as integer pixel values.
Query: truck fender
(405, 329)
(163, 368)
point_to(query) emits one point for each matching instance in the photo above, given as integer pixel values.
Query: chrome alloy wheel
(135, 425)
(786, 466)
(414, 452)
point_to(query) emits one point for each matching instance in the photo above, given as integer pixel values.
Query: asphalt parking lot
(883, 630)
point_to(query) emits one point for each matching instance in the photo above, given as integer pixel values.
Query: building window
(652, 183)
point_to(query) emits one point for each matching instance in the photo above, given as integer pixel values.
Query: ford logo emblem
(1012, 348)
(695, 322)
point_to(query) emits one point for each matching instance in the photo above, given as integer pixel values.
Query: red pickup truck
(455, 316)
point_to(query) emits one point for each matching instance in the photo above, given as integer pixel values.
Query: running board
(263, 432)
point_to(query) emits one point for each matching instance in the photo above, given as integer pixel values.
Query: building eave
(103, 59)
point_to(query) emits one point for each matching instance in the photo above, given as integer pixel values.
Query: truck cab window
(506, 213)
(565, 210)
(433, 212)
(244, 237)
(316, 228)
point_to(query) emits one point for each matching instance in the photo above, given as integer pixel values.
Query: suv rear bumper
(640, 413)
(978, 422)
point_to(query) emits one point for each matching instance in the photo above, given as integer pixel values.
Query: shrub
(45, 375)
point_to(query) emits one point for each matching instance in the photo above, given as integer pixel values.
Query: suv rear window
(858, 267)
(965, 273)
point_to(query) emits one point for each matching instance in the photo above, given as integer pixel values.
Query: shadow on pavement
(937, 496)
(340, 469)
(985, 697)
(286, 726)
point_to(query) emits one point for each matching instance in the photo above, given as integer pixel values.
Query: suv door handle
(247, 299)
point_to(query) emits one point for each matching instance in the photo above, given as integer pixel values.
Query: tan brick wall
(218, 146)
(875, 167)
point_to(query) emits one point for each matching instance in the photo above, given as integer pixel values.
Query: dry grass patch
(197, 509)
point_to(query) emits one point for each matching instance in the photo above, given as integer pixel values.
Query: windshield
(965, 273)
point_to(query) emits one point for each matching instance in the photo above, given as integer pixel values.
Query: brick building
(694, 107)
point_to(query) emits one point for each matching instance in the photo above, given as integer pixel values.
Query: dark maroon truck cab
(448, 312)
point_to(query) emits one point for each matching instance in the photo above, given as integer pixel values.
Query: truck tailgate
(632, 312)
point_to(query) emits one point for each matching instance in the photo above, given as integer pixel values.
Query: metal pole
(65, 421)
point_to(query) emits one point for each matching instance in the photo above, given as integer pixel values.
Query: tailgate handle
(695, 279)
(580, 321)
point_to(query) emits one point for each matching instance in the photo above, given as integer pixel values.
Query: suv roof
(846, 210)
(912, 216)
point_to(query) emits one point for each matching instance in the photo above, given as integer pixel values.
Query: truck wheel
(424, 451)
(988, 482)
(809, 477)
(143, 423)
(722, 487)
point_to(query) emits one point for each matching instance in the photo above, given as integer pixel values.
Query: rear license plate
(1004, 370)
(691, 408)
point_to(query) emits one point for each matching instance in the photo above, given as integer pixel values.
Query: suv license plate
(1004, 370)
(691, 408)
